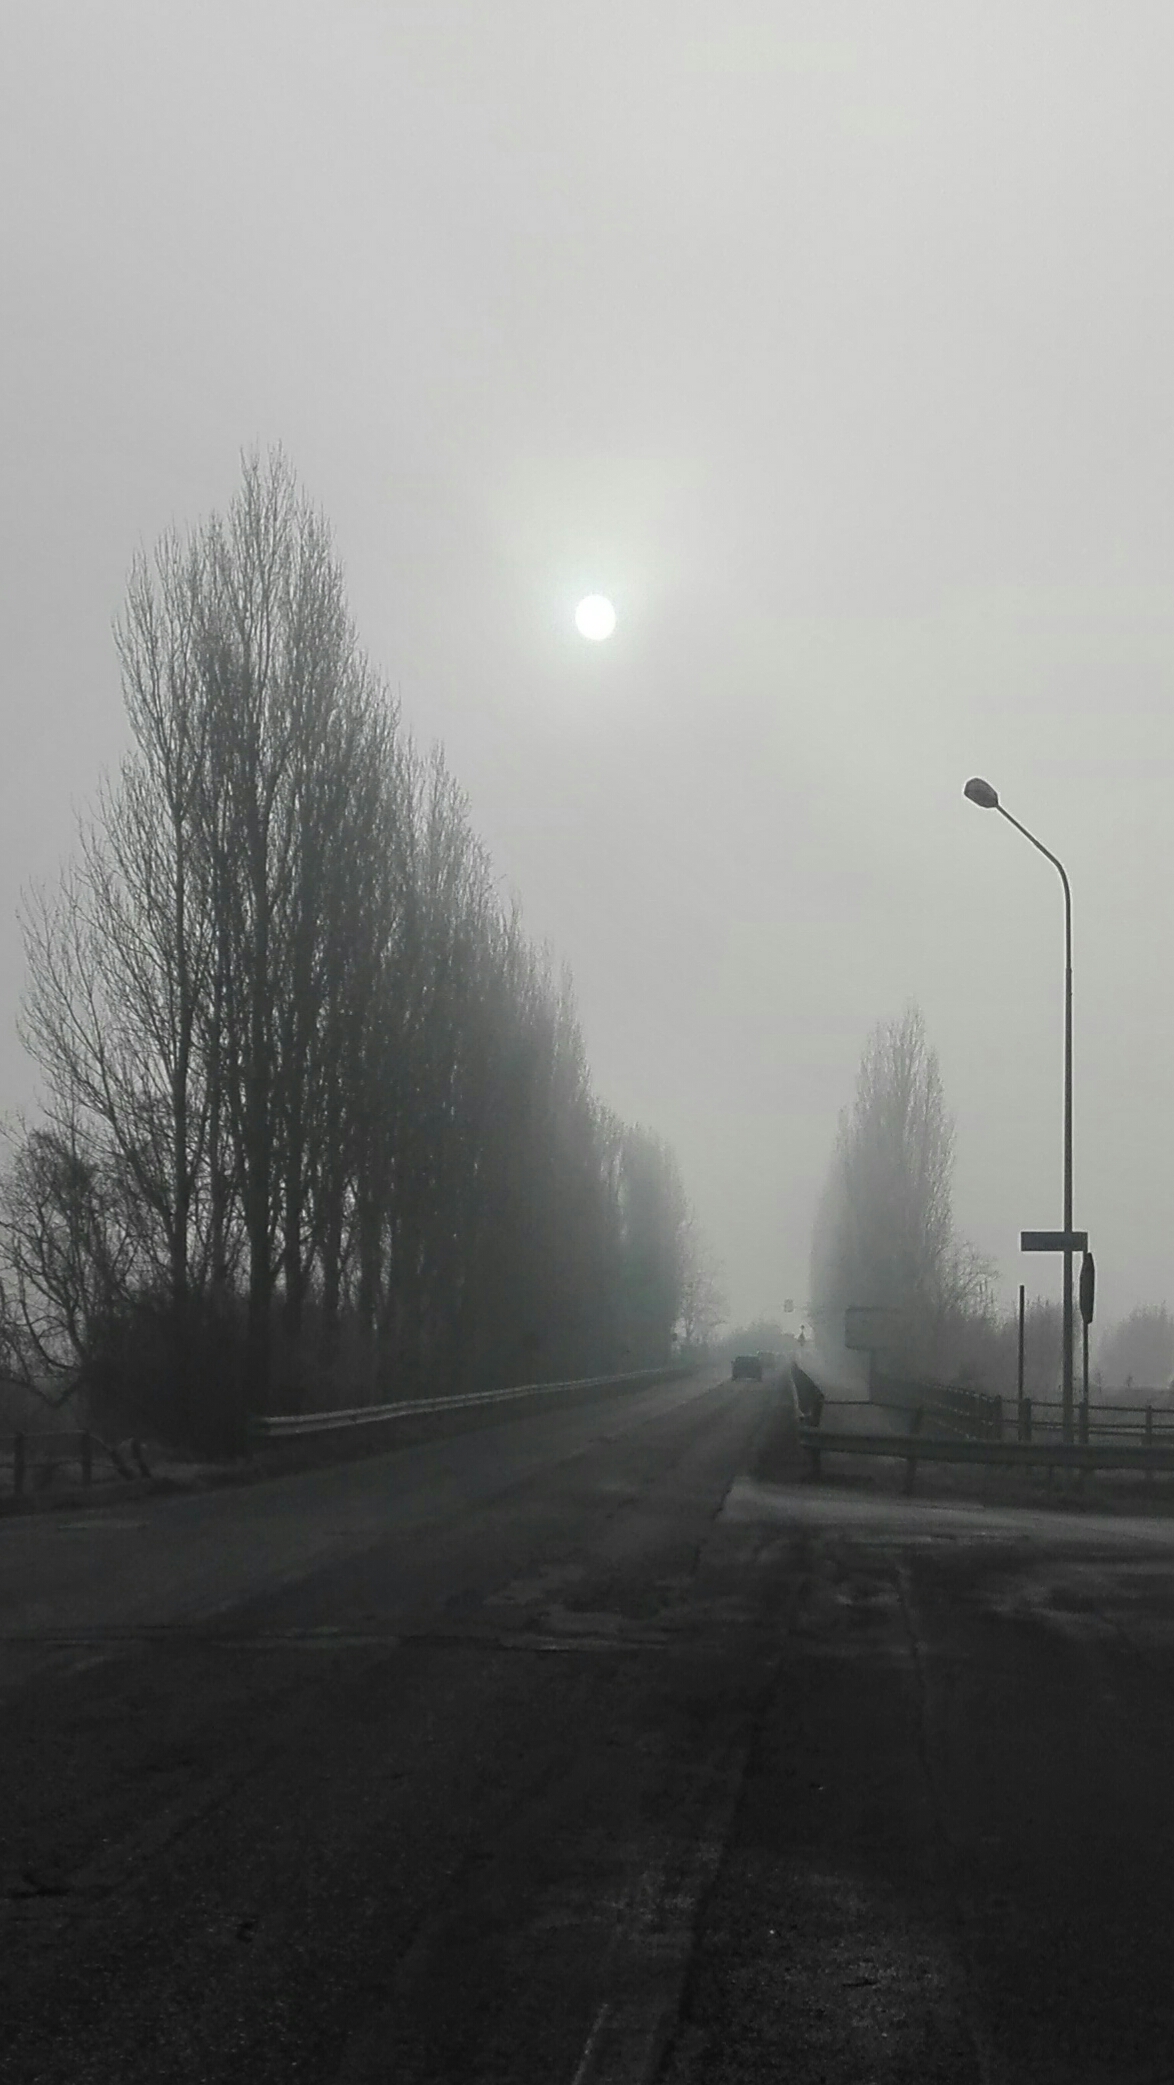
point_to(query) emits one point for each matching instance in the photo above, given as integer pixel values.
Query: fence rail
(1043, 1417)
(913, 1448)
(970, 1412)
(1021, 1433)
(288, 1426)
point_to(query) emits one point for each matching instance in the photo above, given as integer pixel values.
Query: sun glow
(595, 617)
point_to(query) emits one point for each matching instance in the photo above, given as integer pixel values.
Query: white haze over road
(834, 347)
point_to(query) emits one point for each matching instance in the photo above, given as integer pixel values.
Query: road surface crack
(948, 1850)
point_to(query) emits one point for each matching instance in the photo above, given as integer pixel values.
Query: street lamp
(981, 793)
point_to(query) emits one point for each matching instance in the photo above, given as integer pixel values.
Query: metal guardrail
(913, 1448)
(1041, 1417)
(1109, 1437)
(972, 1412)
(286, 1426)
(969, 1412)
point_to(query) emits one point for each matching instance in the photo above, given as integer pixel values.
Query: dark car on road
(747, 1368)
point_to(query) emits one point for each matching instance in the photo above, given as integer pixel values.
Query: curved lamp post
(981, 793)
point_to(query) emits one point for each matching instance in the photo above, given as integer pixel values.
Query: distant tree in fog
(761, 1335)
(654, 1218)
(978, 1346)
(703, 1301)
(1138, 1353)
(884, 1231)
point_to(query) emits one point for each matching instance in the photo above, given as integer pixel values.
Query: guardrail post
(911, 1463)
(1025, 1420)
(998, 1417)
(810, 1408)
(813, 1447)
(87, 1458)
(1149, 1438)
(18, 1463)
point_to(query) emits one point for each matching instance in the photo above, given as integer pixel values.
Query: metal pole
(1020, 1432)
(1066, 1392)
(1068, 1328)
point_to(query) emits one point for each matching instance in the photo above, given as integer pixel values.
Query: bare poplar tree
(119, 958)
(289, 723)
(69, 1242)
(884, 1233)
(655, 1216)
(703, 1301)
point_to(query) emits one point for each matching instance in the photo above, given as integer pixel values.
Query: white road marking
(648, 1955)
(582, 2068)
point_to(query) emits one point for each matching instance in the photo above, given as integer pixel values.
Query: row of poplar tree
(319, 1125)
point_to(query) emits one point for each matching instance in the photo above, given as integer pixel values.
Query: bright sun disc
(595, 617)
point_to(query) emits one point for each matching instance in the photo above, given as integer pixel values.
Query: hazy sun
(595, 617)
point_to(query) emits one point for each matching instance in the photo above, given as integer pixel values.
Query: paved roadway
(591, 1746)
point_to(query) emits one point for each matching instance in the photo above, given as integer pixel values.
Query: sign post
(869, 1329)
(1068, 1242)
(1088, 1283)
(1020, 1415)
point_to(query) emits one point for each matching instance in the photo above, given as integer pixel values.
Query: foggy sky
(834, 343)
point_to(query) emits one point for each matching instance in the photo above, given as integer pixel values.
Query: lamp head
(982, 794)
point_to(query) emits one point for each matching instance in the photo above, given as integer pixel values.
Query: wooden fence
(37, 1459)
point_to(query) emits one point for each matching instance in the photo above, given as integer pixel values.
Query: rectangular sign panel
(868, 1328)
(1053, 1241)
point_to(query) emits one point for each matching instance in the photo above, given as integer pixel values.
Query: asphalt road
(591, 1746)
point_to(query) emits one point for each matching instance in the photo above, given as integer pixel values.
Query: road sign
(868, 1328)
(1053, 1241)
(1088, 1283)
